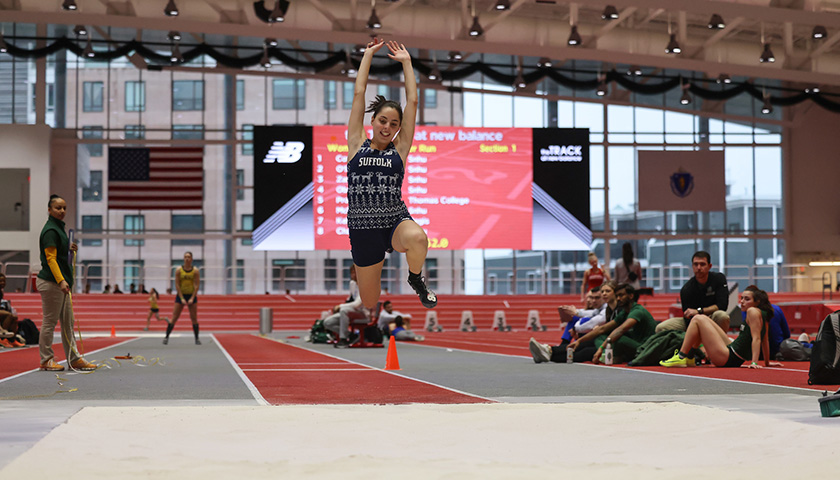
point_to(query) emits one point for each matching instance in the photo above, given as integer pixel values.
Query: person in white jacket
(339, 321)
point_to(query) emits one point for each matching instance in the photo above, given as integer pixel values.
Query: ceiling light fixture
(174, 36)
(503, 5)
(673, 46)
(348, 68)
(270, 42)
(171, 10)
(519, 81)
(819, 32)
(278, 13)
(69, 5)
(88, 51)
(634, 70)
(434, 75)
(455, 55)
(574, 37)
(610, 13)
(3, 47)
(373, 21)
(717, 22)
(767, 55)
(265, 61)
(686, 98)
(80, 30)
(475, 29)
(602, 87)
(176, 56)
(544, 62)
(766, 108)
(724, 78)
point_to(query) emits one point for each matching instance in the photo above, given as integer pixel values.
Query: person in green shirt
(631, 326)
(54, 283)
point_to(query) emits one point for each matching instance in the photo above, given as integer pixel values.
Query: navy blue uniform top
(374, 183)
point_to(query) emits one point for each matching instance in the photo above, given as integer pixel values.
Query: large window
(240, 181)
(135, 96)
(188, 95)
(187, 224)
(135, 132)
(430, 95)
(93, 131)
(92, 98)
(93, 192)
(134, 225)
(132, 275)
(92, 275)
(288, 274)
(288, 94)
(92, 224)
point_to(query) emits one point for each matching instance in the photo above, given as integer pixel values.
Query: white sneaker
(540, 351)
(804, 338)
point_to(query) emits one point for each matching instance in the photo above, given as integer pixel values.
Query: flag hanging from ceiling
(678, 180)
(155, 178)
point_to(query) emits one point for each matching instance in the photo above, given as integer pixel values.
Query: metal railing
(491, 280)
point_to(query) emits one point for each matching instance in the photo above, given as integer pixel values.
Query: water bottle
(570, 355)
(608, 354)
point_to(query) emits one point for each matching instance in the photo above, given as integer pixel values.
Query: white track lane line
(256, 393)
(65, 361)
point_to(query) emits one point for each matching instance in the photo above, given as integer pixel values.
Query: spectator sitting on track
(339, 321)
(585, 348)
(8, 320)
(721, 350)
(400, 333)
(387, 316)
(628, 329)
(706, 293)
(579, 322)
(778, 329)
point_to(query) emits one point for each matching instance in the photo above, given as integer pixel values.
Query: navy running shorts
(186, 298)
(369, 246)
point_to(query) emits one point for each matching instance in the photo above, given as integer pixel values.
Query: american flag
(157, 178)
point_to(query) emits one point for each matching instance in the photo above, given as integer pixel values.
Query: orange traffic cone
(113, 331)
(392, 362)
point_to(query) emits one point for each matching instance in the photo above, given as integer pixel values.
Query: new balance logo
(280, 152)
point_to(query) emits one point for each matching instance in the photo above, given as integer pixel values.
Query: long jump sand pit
(575, 440)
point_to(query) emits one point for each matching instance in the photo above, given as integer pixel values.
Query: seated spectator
(339, 322)
(387, 316)
(142, 289)
(117, 288)
(706, 293)
(777, 331)
(721, 350)
(585, 348)
(400, 333)
(579, 322)
(8, 319)
(107, 289)
(628, 329)
(132, 289)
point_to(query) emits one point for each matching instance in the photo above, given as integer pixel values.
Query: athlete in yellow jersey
(187, 281)
(153, 308)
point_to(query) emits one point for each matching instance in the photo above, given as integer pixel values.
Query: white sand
(575, 441)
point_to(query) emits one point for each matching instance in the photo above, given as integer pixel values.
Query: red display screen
(467, 187)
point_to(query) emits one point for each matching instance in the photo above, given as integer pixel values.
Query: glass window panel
(247, 226)
(134, 225)
(528, 112)
(240, 94)
(93, 131)
(619, 119)
(565, 114)
(132, 274)
(187, 224)
(188, 95)
(621, 138)
(135, 132)
(739, 174)
(135, 96)
(649, 120)
(768, 173)
(240, 180)
(330, 96)
(347, 95)
(622, 178)
(248, 136)
(92, 271)
(92, 224)
(591, 116)
(596, 166)
(497, 110)
(93, 192)
(187, 132)
(288, 94)
(92, 100)
(431, 97)
(288, 274)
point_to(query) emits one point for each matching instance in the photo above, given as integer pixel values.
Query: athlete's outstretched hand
(398, 52)
(374, 45)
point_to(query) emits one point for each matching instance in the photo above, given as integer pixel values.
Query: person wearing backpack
(825, 354)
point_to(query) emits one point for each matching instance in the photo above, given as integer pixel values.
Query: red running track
(284, 374)
(14, 361)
